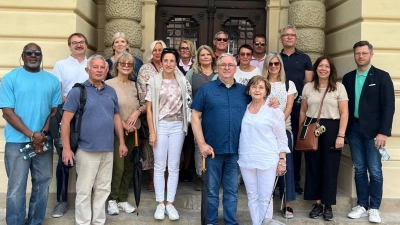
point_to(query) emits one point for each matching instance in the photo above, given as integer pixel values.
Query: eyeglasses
(222, 39)
(227, 65)
(245, 54)
(30, 52)
(78, 42)
(289, 35)
(184, 49)
(259, 43)
(274, 63)
(362, 54)
(128, 64)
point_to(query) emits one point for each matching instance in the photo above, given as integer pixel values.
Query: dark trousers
(297, 155)
(322, 166)
(62, 177)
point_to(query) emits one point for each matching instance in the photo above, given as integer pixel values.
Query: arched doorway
(199, 20)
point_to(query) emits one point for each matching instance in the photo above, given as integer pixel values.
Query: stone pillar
(123, 16)
(309, 17)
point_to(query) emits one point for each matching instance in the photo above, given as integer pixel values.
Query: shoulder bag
(307, 138)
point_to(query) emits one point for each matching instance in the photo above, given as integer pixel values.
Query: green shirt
(360, 80)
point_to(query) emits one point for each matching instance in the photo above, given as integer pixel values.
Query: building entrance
(199, 20)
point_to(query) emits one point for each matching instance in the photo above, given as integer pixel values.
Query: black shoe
(298, 189)
(316, 211)
(328, 214)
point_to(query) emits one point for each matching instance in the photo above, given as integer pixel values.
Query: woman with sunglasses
(119, 45)
(204, 70)
(322, 166)
(245, 71)
(166, 104)
(186, 52)
(285, 91)
(130, 110)
(147, 71)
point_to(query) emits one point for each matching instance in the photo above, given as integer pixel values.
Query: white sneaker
(113, 207)
(358, 212)
(160, 212)
(171, 212)
(126, 207)
(374, 216)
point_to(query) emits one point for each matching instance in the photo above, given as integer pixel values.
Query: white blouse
(278, 90)
(262, 138)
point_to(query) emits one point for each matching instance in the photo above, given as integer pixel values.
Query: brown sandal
(151, 187)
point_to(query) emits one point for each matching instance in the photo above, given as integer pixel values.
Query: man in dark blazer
(371, 110)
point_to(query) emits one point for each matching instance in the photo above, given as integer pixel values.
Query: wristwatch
(282, 159)
(44, 132)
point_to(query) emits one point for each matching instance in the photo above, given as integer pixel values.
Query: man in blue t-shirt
(28, 96)
(94, 157)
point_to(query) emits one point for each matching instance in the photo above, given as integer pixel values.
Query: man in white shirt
(259, 46)
(69, 71)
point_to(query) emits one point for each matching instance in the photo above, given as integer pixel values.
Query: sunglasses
(128, 64)
(245, 54)
(30, 52)
(274, 63)
(222, 39)
(169, 50)
(259, 43)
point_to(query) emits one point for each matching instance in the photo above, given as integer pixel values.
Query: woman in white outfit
(166, 105)
(262, 148)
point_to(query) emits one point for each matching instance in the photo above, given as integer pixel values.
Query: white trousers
(94, 171)
(167, 152)
(259, 184)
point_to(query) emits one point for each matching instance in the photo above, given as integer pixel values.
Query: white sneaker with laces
(358, 212)
(172, 213)
(126, 207)
(160, 212)
(374, 216)
(113, 207)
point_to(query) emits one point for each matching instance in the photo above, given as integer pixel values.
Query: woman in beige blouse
(322, 166)
(130, 110)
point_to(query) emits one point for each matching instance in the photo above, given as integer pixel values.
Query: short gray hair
(226, 55)
(220, 32)
(96, 56)
(286, 28)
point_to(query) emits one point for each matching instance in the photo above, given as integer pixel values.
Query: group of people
(246, 111)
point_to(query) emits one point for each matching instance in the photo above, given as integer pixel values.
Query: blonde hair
(196, 63)
(118, 35)
(152, 45)
(124, 55)
(191, 46)
(265, 72)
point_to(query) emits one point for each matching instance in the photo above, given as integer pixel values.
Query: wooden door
(199, 20)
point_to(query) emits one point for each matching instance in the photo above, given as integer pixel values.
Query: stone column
(309, 17)
(123, 16)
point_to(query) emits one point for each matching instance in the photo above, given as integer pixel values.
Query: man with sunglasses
(221, 43)
(298, 68)
(28, 96)
(259, 46)
(69, 71)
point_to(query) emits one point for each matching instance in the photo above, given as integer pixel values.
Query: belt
(357, 120)
(172, 118)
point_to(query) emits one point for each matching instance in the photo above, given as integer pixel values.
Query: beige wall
(351, 21)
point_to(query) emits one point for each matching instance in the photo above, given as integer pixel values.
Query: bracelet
(282, 159)
(340, 136)
(282, 164)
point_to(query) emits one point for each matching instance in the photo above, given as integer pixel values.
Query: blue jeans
(223, 168)
(289, 176)
(17, 169)
(366, 158)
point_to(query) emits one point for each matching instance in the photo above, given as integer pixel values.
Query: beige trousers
(94, 170)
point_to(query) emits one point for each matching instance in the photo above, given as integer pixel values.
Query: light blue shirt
(31, 95)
